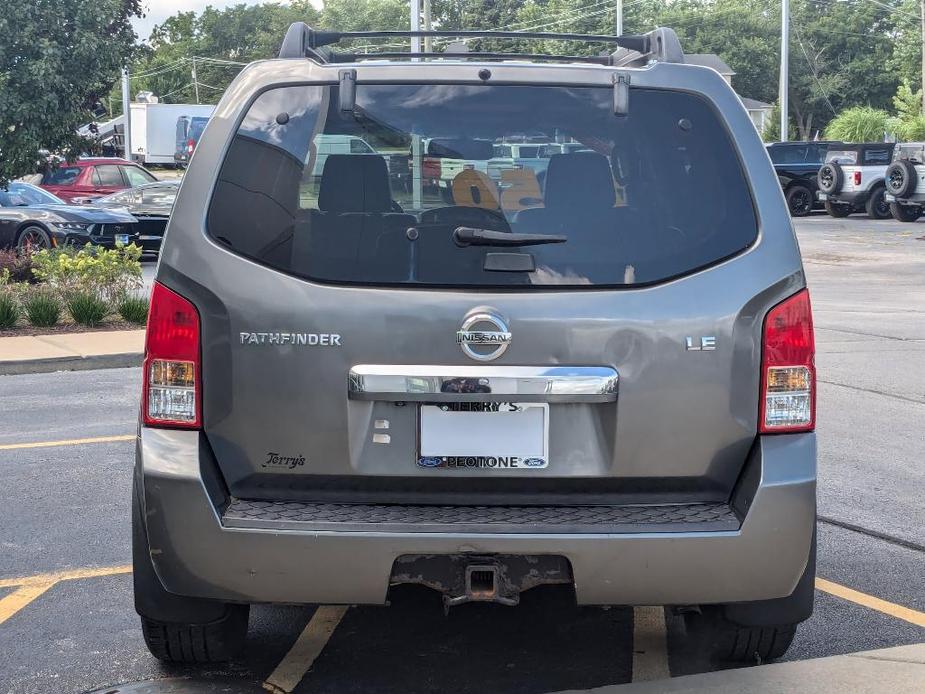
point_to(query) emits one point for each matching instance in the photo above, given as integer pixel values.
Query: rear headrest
(580, 179)
(354, 183)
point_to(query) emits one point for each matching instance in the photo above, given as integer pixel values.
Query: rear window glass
(842, 157)
(62, 176)
(877, 156)
(914, 153)
(631, 200)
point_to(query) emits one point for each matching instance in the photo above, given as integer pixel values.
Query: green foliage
(41, 306)
(109, 272)
(909, 123)
(57, 59)
(134, 309)
(771, 132)
(9, 309)
(87, 307)
(858, 124)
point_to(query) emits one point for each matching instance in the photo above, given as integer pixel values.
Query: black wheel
(831, 177)
(732, 643)
(33, 238)
(905, 213)
(901, 178)
(799, 200)
(178, 629)
(877, 207)
(836, 210)
(755, 632)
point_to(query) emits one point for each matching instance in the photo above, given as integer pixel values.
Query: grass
(9, 310)
(42, 308)
(87, 308)
(134, 309)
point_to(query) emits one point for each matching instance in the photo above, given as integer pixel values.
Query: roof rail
(661, 45)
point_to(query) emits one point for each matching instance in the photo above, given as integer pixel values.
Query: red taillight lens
(172, 373)
(857, 178)
(788, 370)
(190, 146)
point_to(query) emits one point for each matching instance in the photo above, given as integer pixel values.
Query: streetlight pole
(784, 67)
(428, 41)
(618, 19)
(126, 114)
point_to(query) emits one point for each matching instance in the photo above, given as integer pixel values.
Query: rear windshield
(434, 201)
(848, 156)
(62, 176)
(914, 153)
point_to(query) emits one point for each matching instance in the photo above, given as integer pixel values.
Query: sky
(159, 10)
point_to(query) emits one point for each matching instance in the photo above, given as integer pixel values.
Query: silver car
(603, 379)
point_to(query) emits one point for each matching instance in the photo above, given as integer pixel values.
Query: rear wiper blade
(469, 236)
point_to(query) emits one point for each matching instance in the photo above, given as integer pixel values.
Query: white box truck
(154, 129)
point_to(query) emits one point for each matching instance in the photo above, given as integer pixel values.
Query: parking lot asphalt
(66, 617)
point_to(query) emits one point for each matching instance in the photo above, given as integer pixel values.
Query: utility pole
(784, 67)
(618, 19)
(195, 80)
(922, 18)
(126, 114)
(428, 41)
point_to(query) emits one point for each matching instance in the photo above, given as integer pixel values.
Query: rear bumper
(856, 198)
(200, 549)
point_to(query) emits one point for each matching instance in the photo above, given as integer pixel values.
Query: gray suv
(355, 378)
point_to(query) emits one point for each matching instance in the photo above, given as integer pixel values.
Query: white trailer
(154, 129)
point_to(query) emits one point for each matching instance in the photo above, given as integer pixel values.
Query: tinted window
(631, 207)
(62, 176)
(842, 156)
(789, 154)
(360, 147)
(197, 125)
(877, 156)
(19, 194)
(107, 175)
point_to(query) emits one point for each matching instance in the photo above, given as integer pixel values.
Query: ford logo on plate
(534, 462)
(429, 461)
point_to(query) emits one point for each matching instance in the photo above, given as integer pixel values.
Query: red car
(87, 179)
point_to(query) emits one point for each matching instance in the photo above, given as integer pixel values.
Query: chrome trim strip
(434, 383)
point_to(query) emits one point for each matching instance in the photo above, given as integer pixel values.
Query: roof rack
(661, 45)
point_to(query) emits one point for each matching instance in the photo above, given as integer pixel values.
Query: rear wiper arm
(469, 236)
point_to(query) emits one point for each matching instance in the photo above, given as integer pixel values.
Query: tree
(858, 124)
(58, 58)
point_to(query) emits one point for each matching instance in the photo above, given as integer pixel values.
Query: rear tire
(179, 629)
(877, 207)
(799, 200)
(838, 211)
(905, 213)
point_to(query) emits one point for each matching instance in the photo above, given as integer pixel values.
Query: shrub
(42, 307)
(134, 309)
(9, 309)
(18, 265)
(87, 307)
(858, 124)
(108, 273)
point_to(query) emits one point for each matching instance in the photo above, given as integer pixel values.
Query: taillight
(788, 370)
(857, 178)
(190, 146)
(172, 373)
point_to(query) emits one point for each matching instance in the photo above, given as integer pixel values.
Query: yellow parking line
(305, 650)
(54, 577)
(18, 599)
(650, 644)
(65, 442)
(898, 611)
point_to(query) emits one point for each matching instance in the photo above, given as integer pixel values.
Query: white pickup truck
(852, 179)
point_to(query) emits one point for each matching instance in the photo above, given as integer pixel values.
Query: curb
(75, 363)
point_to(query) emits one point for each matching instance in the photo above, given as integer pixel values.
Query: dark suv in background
(797, 164)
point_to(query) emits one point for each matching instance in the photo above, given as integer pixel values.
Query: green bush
(858, 124)
(9, 309)
(134, 309)
(87, 308)
(111, 273)
(42, 307)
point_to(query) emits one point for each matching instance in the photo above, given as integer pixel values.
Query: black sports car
(34, 218)
(150, 204)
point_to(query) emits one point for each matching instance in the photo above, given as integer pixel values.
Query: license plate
(122, 239)
(491, 436)
(823, 196)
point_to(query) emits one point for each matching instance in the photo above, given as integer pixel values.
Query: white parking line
(305, 650)
(650, 644)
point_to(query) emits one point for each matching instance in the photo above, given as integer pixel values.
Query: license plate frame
(495, 436)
